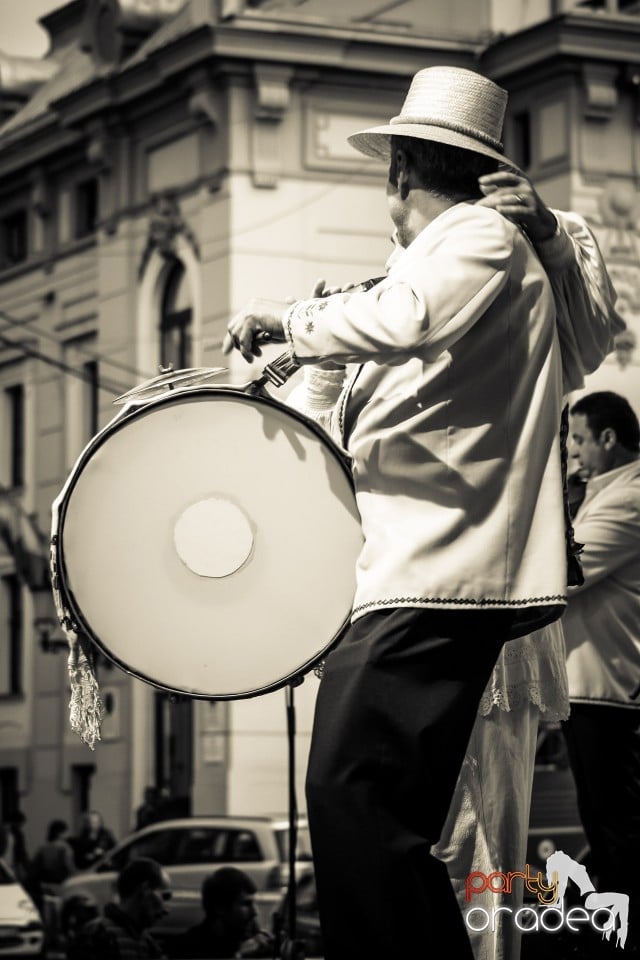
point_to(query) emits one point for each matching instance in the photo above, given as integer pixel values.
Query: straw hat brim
(375, 142)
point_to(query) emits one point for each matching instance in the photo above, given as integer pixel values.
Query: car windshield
(303, 844)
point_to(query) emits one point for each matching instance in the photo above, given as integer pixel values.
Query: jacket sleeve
(584, 297)
(317, 394)
(433, 295)
(611, 538)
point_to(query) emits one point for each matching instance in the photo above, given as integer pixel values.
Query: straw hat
(449, 105)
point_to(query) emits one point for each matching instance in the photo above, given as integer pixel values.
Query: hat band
(455, 127)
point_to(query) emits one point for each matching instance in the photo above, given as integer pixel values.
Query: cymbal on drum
(169, 380)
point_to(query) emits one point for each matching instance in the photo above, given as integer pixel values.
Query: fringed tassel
(85, 706)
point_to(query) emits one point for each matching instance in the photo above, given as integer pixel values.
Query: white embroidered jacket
(531, 668)
(452, 420)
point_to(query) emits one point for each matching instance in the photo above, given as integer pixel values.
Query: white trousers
(487, 826)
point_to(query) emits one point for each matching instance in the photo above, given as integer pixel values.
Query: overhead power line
(103, 384)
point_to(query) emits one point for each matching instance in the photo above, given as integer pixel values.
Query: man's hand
(260, 945)
(258, 319)
(515, 198)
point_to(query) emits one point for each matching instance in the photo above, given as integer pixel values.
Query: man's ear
(608, 438)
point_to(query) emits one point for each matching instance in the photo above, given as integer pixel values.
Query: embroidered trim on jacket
(458, 601)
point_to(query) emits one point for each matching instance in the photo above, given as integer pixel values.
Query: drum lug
(277, 372)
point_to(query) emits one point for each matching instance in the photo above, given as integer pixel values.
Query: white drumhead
(209, 543)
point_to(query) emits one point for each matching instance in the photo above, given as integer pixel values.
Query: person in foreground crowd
(229, 927)
(602, 629)
(452, 419)
(122, 933)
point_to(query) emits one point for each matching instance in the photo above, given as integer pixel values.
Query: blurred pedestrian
(147, 812)
(230, 924)
(156, 805)
(93, 840)
(15, 855)
(122, 933)
(76, 912)
(53, 861)
(52, 864)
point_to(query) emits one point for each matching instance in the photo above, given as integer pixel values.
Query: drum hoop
(98, 441)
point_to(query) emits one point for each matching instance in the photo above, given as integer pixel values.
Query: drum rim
(136, 412)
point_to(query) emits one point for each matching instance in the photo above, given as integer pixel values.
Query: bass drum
(207, 543)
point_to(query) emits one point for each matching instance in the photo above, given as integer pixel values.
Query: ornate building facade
(164, 162)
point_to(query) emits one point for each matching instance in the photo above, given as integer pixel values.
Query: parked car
(192, 848)
(21, 930)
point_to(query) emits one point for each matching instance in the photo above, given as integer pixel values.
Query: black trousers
(604, 752)
(394, 713)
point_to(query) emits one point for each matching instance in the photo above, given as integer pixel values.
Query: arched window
(175, 320)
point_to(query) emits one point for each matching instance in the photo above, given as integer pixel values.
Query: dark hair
(142, 870)
(56, 828)
(221, 888)
(607, 410)
(447, 171)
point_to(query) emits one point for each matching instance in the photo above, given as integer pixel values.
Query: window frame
(15, 621)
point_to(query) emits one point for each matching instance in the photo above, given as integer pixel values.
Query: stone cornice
(39, 141)
(577, 37)
(267, 42)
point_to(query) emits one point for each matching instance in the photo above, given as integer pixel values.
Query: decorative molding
(273, 97)
(202, 104)
(272, 89)
(201, 99)
(601, 94)
(166, 225)
(619, 240)
(327, 125)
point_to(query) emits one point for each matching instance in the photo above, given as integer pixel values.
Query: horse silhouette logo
(561, 868)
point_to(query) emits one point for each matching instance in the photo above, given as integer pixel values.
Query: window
(9, 793)
(157, 844)
(90, 406)
(14, 432)
(201, 845)
(13, 239)
(175, 320)
(86, 208)
(81, 397)
(243, 847)
(303, 844)
(10, 636)
(611, 6)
